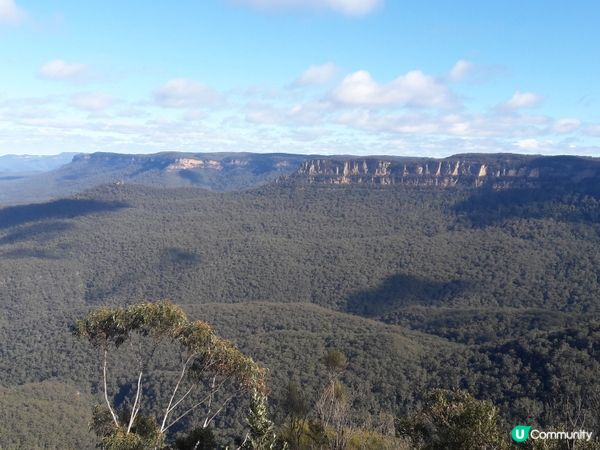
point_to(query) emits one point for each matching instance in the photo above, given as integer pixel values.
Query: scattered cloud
(317, 74)
(303, 114)
(415, 113)
(63, 71)
(92, 101)
(528, 144)
(565, 125)
(186, 93)
(11, 13)
(346, 7)
(461, 70)
(521, 100)
(440, 123)
(414, 89)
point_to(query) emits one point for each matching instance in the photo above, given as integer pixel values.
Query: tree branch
(169, 408)
(193, 407)
(112, 412)
(196, 405)
(136, 404)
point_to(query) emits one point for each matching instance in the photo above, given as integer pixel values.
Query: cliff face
(213, 171)
(497, 171)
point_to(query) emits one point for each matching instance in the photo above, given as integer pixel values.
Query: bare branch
(192, 408)
(112, 412)
(169, 409)
(201, 402)
(136, 404)
(207, 423)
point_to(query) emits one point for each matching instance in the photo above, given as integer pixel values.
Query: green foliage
(261, 434)
(295, 409)
(163, 319)
(197, 439)
(205, 355)
(145, 434)
(371, 440)
(419, 288)
(46, 415)
(335, 362)
(454, 420)
(105, 326)
(295, 403)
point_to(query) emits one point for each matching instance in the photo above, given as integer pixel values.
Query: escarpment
(494, 171)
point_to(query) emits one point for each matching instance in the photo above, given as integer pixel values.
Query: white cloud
(528, 144)
(416, 124)
(460, 70)
(565, 125)
(522, 100)
(262, 114)
(317, 74)
(347, 7)
(62, 70)
(10, 13)
(414, 89)
(92, 101)
(304, 114)
(186, 93)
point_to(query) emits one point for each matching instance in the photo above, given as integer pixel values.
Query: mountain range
(54, 177)
(474, 272)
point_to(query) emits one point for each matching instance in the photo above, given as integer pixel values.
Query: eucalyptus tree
(333, 406)
(212, 371)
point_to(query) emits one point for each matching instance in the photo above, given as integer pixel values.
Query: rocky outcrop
(191, 163)
(495, 171)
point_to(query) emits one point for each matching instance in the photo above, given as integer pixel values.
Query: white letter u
(520, 434)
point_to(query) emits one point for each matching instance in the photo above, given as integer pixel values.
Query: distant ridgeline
(237, 171)
(495, 171)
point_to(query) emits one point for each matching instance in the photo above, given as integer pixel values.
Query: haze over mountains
(28, 164)
(218, 171)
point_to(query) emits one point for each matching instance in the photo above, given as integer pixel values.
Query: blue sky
(306, 76)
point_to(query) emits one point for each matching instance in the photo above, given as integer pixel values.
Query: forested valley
(491, 296)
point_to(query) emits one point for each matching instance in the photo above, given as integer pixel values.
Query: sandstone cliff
(495, 171)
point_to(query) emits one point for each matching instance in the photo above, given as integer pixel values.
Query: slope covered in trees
(420, 288)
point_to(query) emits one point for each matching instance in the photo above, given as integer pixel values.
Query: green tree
(197, 439)
(333, 406)
(454, 420)
(209, 366)
(262, 434)
(296, 410)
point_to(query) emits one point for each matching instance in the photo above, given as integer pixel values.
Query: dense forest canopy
(419, 287)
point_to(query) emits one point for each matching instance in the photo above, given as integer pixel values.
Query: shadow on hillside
(177, 258)
(57, 209)
(39, 232)
(402, 290)
(163, 277)
(190, 176)
(564, 203)
(26, 253)
(568, 190)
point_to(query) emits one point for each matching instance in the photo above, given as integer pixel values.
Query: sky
(427, 78)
